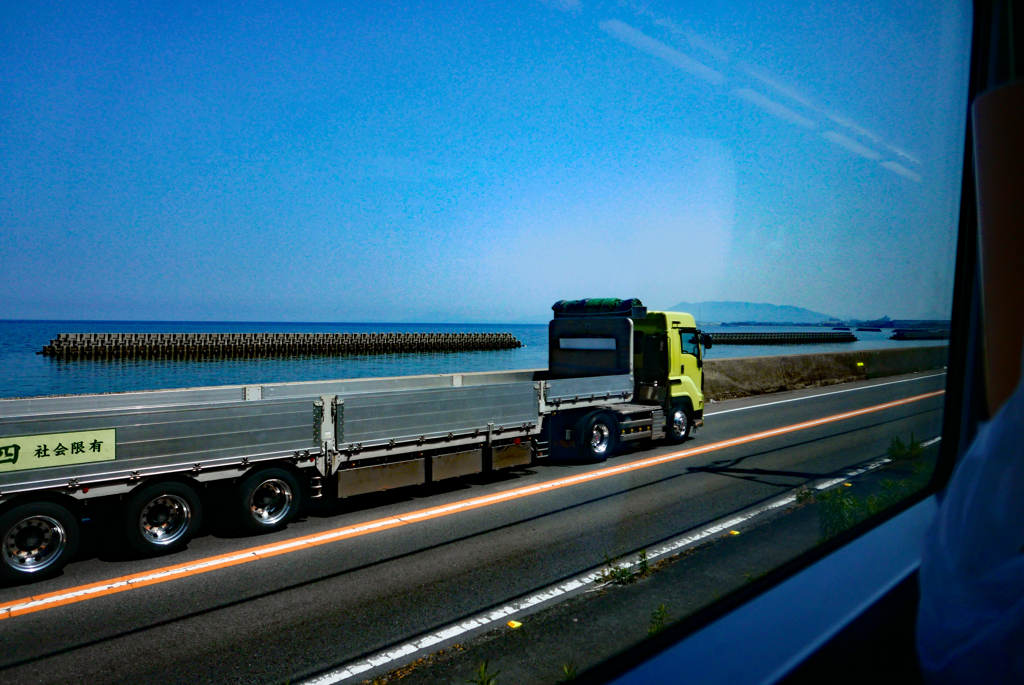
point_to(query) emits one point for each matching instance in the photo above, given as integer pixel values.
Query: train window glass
(308, 184)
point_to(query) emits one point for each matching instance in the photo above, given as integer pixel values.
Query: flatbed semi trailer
(147, 464)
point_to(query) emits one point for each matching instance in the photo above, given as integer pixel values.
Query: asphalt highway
(294, 611)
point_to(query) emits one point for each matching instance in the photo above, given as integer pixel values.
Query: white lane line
(823, 394)
(563, 590)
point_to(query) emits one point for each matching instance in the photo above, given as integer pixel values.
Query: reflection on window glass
(356, 232)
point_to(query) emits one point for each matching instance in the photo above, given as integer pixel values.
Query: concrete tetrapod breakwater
(745, 376)
(234, 345)
(788, 338)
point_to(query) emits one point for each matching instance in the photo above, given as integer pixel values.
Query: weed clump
(569, 671)
(804, 496)
(482, 677)
(619, 575)
(659, 618)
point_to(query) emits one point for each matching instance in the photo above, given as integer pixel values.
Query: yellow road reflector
(514, 624)
(860, 363)
(734, 532)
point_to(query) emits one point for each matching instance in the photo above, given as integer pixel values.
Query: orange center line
(84, 592)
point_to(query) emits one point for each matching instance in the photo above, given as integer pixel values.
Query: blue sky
(440, 163)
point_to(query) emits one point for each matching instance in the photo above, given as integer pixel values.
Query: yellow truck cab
(668, 363)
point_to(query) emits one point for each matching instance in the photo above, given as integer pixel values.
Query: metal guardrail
(232, 345)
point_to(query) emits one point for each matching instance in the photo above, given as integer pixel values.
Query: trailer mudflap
(382, 477)
(444, 466)
(507, 456)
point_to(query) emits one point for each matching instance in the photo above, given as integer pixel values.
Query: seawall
(746, 376)
(254, 345)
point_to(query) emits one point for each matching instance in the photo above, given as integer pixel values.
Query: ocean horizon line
(278, 323)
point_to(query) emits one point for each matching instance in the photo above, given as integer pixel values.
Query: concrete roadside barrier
(746, 376)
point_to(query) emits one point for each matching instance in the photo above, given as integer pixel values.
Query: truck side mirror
(705, 339)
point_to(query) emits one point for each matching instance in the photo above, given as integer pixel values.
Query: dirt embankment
(745, 376)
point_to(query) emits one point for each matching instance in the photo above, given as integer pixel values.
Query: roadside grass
(898, 451)
(624, 574)
(840, 509)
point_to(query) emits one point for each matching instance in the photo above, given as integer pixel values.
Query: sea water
(24, 373)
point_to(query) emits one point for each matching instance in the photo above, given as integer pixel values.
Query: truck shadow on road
(786, 479)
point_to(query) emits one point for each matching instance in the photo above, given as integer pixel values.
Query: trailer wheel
(162, 517)
(679, 424)
(38, 540)
(267, 499)
(599, 436)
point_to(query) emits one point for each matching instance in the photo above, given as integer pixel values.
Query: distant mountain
(728, 312)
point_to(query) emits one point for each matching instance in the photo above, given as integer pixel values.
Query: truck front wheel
(162, 517)
(38, 540)
(679, 424)
(599, 436)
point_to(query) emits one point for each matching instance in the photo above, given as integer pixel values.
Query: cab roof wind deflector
(593, 307)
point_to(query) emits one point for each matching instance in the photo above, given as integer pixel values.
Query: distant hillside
(727, 312)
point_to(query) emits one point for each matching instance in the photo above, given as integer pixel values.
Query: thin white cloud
(902, 171)
(695, 41)
(834, 117)
(641, 41)
(774, 108)
(851, 145)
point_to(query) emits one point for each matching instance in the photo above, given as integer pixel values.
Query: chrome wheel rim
(270, 501)
(34, 543)
(679, 423)
(165, 519)
(600, 437)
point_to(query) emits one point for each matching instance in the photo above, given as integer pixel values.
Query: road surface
(379, 570)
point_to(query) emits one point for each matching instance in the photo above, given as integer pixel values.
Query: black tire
(679, 425)
(266, 500)
(162, 517)
(597, 436)
(38, 539)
